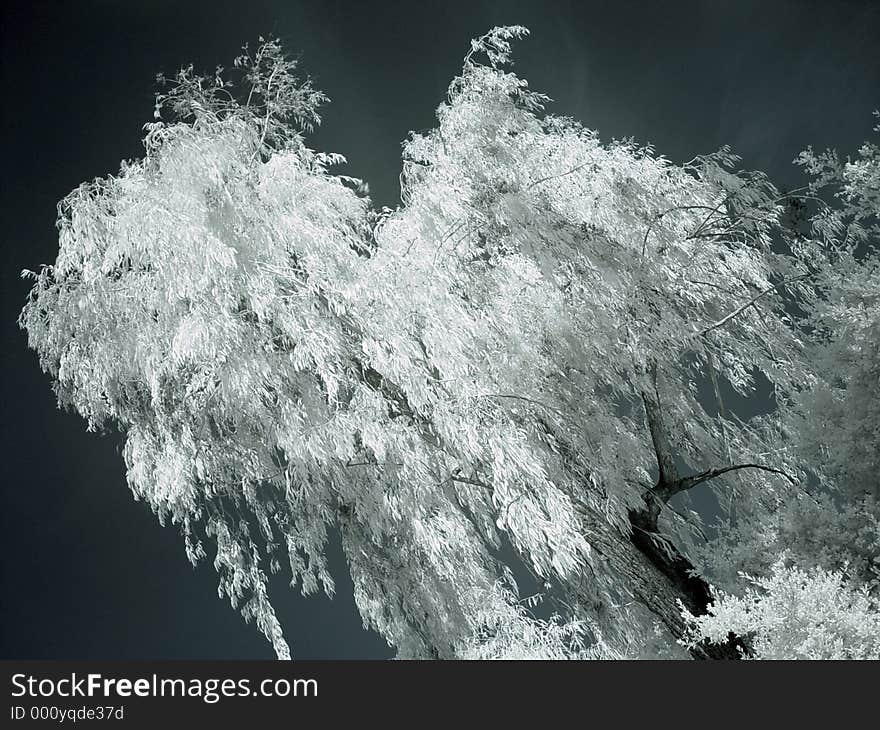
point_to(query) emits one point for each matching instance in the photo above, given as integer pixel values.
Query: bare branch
(689, 482)
(553, 177)
(463, 480)
(739, 310)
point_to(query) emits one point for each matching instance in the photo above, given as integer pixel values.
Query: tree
(841, 416)
(798, 615)
(820, 601)
(527, 361)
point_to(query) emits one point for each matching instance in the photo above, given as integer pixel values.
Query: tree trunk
(658, 577)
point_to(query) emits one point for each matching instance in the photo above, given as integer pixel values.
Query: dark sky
(88, 573)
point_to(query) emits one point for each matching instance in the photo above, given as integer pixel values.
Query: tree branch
(739, 310)
(691, 481)
(553, 177)
(653, 413)
(465, 480)
(522, 398)
(662, 214)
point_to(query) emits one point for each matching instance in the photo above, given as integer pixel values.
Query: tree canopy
(529, 363)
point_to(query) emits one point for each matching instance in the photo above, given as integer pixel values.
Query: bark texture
(658, 577)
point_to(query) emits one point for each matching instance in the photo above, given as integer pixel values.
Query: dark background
(86, 572)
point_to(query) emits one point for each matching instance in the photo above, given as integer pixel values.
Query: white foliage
(796, 614)
(467, 369)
